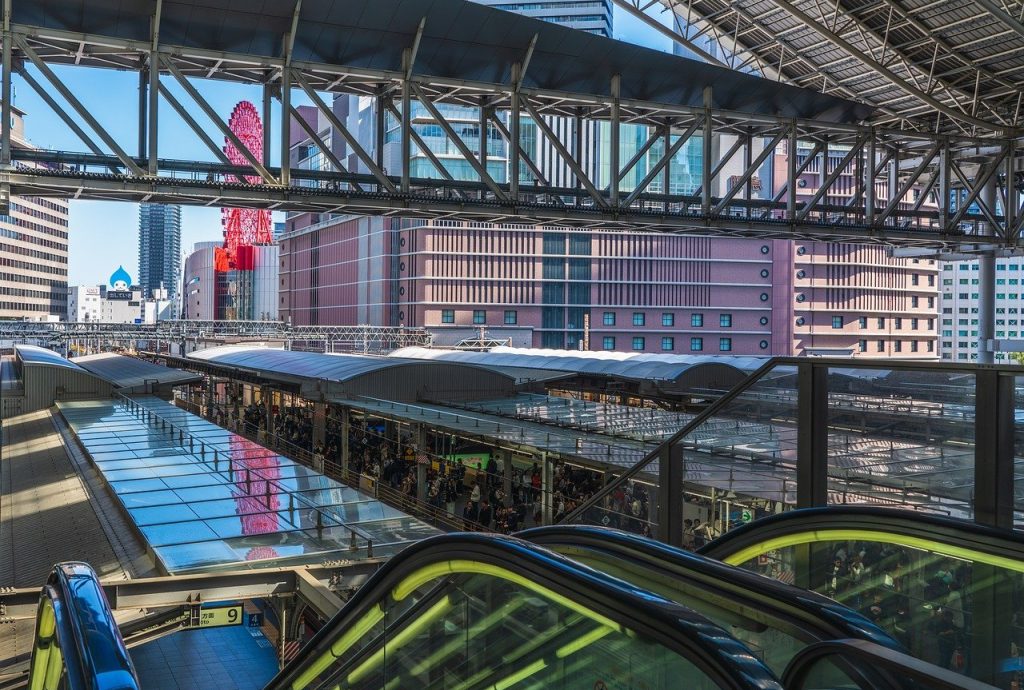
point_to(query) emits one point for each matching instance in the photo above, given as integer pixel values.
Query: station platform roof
(131, 374)
(344, 375)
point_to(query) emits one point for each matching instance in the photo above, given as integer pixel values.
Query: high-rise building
(594, 16)
(959, 305)
(159, 248)
(33, 251)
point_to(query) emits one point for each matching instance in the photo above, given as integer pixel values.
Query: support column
(143, 106)
(380, 123)
(547, 483)
(791, 183)
(267, 101)
(5, 97)
(154, 113)
(406, 137)
(706, 153)
(346, 428)
(812, 437)
(421, 468)
(666, 178)
(671, 474)
(267, 398)
(869, 181)
(319, 434)
(513, 129)
(482, 153)
(286, 124)
(987, 285)
(613, 154)
(506, 468)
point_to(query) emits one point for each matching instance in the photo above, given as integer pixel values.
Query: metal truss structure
(95, 335)
(912, 185)
(947, 66)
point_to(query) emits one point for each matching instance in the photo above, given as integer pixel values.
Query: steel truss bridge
(95, 335)
(911, 185)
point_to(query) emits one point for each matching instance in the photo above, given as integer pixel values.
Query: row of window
(976, 281)
(668, 319)
(963, 334)
(897, 322)
(511, 316)
(897, 346)
(974, 322)
(974, 267)
(668, 343)
(974, 295)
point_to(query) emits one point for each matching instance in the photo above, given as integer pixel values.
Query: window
(881, 323)
(913, 324)
(609, 318)
(913, 346)
(897, 323)
(725, 320)
(863, 321)
(915, 279)
(947, 333)
(696, 320)
(668, 343)
(447, 316)
(638, 320)
(511, 317)
(897, 346)
(696, 344)
(638, 342)
(914, 301)
(863, 345)
(479, 316)
(608, 342)
(668, 319)
(837, 322)
(947, 281)
(725, 344)
(881, 346)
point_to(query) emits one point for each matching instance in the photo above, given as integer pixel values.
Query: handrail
(817, 616)
(690, 426)
(895, 665)
(729, 663)
(77, 640)
(957, 537)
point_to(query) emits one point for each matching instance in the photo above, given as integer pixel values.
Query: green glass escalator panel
(462, 624)
(957, 608)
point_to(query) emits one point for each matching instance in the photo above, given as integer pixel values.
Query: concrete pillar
(987, 285)
(547, 485)
(319, 423)
(268, 407)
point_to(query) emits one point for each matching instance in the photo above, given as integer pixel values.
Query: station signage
(218, 616)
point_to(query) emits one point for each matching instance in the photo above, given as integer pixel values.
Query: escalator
(775, 620)
(77, 644)
(951, 592)
(483, 611)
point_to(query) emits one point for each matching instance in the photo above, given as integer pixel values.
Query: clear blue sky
(104, 234)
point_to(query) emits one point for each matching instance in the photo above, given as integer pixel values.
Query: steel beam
(196, 128)
(567, 157)
(663, 161)
(748, 173)
(324, 148)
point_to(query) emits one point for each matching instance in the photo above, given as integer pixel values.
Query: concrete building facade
(959, 305)
(33, 251)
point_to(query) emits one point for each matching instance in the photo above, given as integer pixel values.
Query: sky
(104, 234)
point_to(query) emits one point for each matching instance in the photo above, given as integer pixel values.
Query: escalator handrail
(681, 630)
(821, 617)
(93, 653)
(1003, 546)
(895, 664)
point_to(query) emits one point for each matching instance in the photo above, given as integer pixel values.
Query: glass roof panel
(205, 498)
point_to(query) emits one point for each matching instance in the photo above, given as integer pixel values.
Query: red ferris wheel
(245, 226)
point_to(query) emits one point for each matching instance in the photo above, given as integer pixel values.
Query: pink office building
(544, 287)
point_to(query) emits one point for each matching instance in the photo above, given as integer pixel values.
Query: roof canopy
(684, 372)
(32, 354)
(132, 373)
(461, 42)
(361, 375)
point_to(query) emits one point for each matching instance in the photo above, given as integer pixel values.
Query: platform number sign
(219, 616)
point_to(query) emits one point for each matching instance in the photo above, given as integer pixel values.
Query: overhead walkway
(950, 591)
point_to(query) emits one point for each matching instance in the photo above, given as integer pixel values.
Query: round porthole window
(401, 290)
(765, 249)
(401, 242)
(763, 344)
(801, 183)
(764, 296)
(800, 321)
(401, 316)
(401, 266)
(801, 250)
(801, 273)
(801, 297)
(764, 320)
(764, 273)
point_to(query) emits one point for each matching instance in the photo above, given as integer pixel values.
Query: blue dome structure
(120, 276)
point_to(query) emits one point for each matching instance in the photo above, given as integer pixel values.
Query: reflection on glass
(252, 471)
(947, 607)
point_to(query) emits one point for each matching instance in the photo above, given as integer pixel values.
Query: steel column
(994, 428)
(268, 98)
(812, 436)
(143, 109)
(791, 174)
(671, 475)
(613, 154)
(5, 89)
(987, 286)
(406, 139)
(869, 182)
(705, 163)
(513, 139)
(286, 128)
